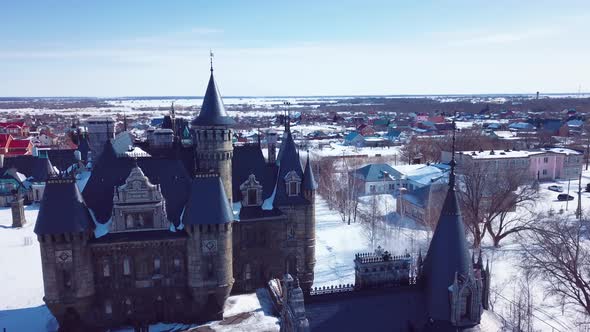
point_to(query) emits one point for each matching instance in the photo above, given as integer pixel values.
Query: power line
(537, 317)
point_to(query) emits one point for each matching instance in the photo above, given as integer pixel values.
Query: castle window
(247, 272)
(210, 270)
(293, 188)
(129, 221)
(293, 182)
(252, 196)
(106, 269)
(126, 267)
(156, 265)
(128, 306)
(251, 192)
(177, 266)
(465, 304)
(67, 279)
(108, 307)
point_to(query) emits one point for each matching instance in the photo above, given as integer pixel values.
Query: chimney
(271, 141)
(18, 211)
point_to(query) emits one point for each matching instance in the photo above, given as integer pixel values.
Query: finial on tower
(211, 59)
(453, 163)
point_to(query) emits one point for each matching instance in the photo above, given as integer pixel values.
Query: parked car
(565, 197)
(557, 188)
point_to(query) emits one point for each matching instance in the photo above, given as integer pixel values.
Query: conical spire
(213, 111)
(448, 254)
(453, 163)
(62, 209)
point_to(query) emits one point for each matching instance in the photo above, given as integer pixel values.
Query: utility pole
(568, 194)
(579, 209)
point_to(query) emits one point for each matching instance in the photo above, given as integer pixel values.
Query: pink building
(543, 164)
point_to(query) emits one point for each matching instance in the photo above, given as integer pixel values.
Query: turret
(453, 294)
(213, 137)
(294, 195)
(63, 228)
(207, 218)
(42, 170)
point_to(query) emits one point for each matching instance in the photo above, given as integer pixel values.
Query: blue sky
(265, 48)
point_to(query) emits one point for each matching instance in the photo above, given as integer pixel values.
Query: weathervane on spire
(453, 163)
(211, 58)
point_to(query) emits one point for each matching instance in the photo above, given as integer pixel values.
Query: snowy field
(339, 150)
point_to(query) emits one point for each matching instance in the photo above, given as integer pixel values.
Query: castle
(168, 235)
(167, 230)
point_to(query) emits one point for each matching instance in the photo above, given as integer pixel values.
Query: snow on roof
(505, 134)
(493, 154)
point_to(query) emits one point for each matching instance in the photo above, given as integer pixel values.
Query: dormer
(293, 183)
(138, 204)
(251, 192)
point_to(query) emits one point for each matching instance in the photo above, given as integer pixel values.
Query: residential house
(417, 176)
(423, 204)
(374, 179)
(365, 130)
(354, 139)
(15, 128)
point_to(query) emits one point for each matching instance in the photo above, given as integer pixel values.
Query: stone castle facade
(169, 236)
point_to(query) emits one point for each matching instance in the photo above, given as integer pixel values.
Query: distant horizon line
(577, 94)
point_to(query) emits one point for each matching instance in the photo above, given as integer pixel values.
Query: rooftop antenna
(287, 116)
(452, 163)
(211, 59)
(124, 120)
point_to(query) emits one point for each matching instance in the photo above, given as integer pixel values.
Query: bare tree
(520, 312)
(557, 251)
(489, 199)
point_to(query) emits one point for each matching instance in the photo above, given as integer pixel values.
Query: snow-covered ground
(339, 150)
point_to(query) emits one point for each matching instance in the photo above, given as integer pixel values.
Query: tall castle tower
(208, 219)
(63, 229)
(213, 137)
(295, 196)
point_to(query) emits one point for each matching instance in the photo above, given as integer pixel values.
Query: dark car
(565, 197)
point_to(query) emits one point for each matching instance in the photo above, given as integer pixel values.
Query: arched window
(106, 269)
(291, 265)
(466, 304)
(108, 307)
(126, 266)
(128, 308)
(251, 192)
(157, 265)
(247, 272)
(293, 183)
(177, 265)
(129, 221)
(67, 279)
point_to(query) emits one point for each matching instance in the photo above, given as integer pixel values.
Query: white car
(557, 188)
